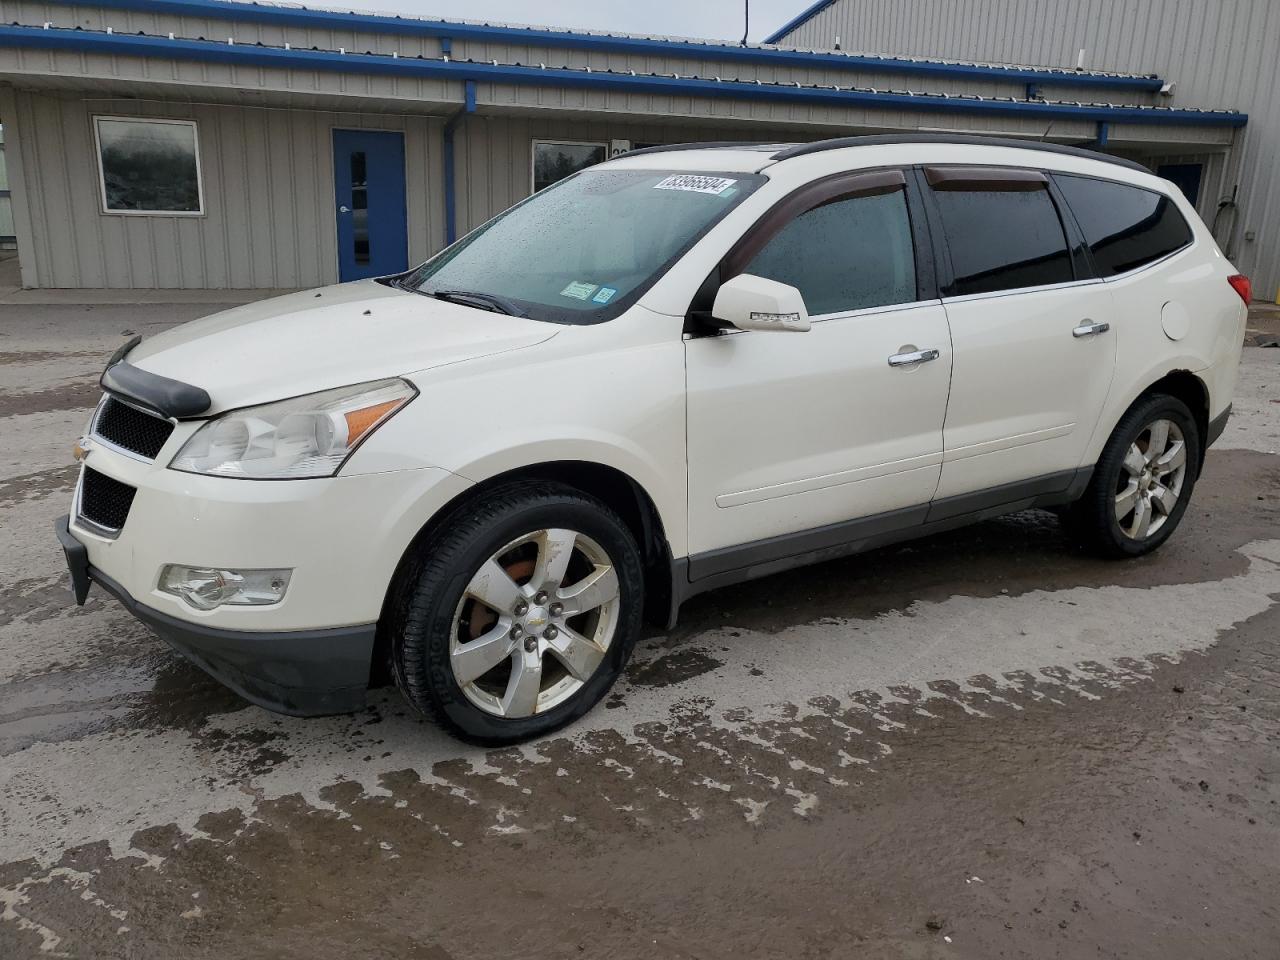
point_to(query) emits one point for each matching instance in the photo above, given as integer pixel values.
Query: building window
(149, 166)
(553, 160)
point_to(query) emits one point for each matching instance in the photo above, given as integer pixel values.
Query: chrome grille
(131, 429)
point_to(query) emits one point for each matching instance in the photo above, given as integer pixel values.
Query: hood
(331, 337)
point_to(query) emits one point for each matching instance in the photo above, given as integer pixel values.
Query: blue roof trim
(208, 51)
(373, 23)
(799, 20)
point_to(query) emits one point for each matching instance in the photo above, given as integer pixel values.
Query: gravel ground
(982, 744)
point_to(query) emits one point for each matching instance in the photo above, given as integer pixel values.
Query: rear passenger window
(845, 255)
(1126, 227)
(1003, 239)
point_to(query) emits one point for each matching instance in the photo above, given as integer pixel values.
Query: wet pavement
(979, 745)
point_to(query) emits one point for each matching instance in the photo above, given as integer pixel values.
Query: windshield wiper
(485, 301)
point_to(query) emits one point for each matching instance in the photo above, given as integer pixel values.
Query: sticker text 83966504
(694, 183)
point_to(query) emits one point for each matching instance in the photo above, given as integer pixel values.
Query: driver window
(848, 254)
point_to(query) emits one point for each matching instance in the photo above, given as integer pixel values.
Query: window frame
(533, 157)
(105, 210)
(847, 185)
(978, 178)
(1087, 251)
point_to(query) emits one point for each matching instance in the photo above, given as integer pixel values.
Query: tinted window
(1125, 227)
(845, 255)
(1003, 239)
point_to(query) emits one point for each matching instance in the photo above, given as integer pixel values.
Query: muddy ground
(979, 745)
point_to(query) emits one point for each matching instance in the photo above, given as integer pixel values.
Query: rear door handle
(912, 358)
(1088, 328)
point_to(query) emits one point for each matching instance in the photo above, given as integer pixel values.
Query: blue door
(368, 181)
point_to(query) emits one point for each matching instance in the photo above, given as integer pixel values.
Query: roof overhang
(311, 18)
(444, 68)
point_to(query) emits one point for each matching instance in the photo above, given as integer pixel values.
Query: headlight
(307, 436)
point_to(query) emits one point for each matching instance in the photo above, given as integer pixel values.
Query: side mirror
(754, 303)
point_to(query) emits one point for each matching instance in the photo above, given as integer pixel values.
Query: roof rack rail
(708, 145)
(819, 146)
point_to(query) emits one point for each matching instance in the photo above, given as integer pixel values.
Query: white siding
(268, 185)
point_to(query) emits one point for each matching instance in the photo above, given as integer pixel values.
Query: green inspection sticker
(579, 290)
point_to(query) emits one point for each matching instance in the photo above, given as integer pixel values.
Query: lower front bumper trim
(301, 673)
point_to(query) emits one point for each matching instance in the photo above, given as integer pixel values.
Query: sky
(708, 19)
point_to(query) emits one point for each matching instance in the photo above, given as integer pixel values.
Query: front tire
(518, 615)
(1142, 482)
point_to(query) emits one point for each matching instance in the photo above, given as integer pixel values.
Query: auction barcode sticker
(696, 184)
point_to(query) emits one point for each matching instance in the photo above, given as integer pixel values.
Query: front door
(369, 194)
(791, 432)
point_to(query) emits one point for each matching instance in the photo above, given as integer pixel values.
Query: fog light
(208, 587)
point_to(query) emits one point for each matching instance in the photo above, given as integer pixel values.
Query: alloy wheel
(534, 623)
(1151, 479)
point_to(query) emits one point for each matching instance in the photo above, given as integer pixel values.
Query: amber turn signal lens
(359, 422)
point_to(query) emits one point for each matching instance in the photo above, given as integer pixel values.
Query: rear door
(1032, 331)
(790, 432)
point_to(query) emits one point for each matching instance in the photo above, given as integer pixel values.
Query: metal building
(204, 143)
(1208, 52)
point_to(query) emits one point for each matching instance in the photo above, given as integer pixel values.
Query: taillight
(1241, 285)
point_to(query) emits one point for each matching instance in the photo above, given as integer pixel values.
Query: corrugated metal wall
(268, 194)
(267, 168)
(1221, 53)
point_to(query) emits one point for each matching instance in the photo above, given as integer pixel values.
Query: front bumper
(297, 672)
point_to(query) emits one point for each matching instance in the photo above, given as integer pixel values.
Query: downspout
(450, 205)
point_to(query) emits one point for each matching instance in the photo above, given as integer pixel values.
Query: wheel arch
(1191, 390)
(612, 486)
(1176, 381)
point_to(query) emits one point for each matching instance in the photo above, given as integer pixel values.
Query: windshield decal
(604, 295)
(696, 184)
(578, 290)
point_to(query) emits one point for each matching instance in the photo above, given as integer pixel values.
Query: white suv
(485, 473)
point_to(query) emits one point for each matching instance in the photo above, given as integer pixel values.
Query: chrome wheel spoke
(555, 550)
(1141, 518)
(594, 590)
(1163, 498)
(493, 587)
(473, 660)
(1173, 458)
(1126, 500)
(521, 696)
(1158, 439)
(578, 654)
(1134, 461)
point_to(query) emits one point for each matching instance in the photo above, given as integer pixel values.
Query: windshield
(585, 249)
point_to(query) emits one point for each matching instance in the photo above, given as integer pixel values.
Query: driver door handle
(911, 359)
(1089, 328)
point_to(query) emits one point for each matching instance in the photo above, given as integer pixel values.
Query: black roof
(787, 151)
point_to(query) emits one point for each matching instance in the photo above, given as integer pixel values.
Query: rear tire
(1142, 482)
(518, 615)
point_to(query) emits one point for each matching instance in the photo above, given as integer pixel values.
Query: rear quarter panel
(1195, 280)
